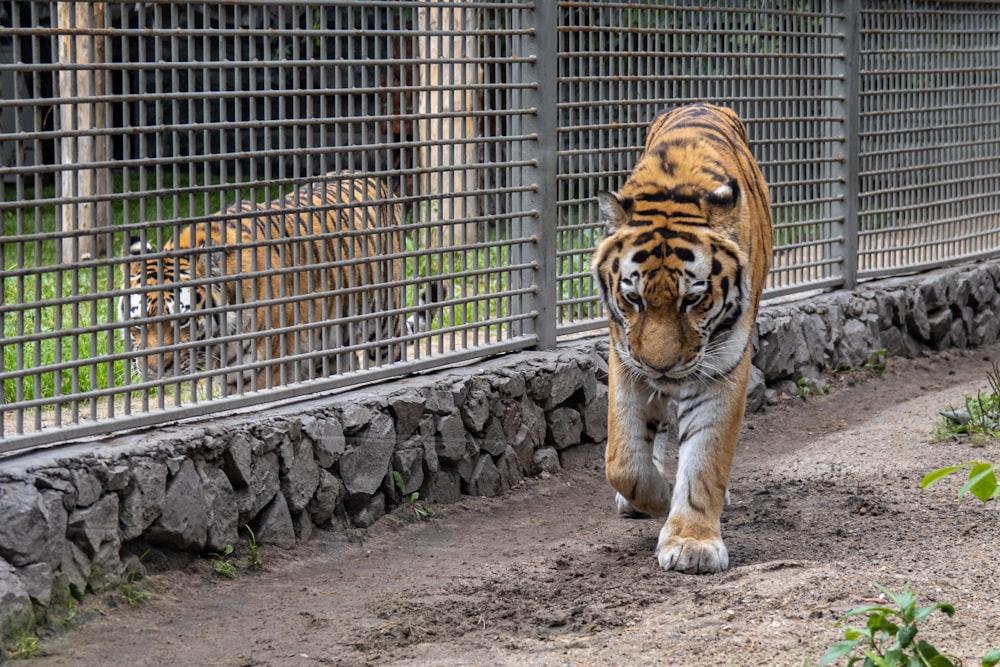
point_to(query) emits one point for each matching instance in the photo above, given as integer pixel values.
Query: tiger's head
(683, 256)
(164, 310)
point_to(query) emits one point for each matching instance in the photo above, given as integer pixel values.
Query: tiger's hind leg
(709, 418)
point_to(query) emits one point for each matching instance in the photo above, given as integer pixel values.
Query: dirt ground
(825, 501)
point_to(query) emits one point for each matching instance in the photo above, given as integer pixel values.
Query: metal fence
(329, 193)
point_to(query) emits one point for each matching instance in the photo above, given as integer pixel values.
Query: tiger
(684, 252)
(315, 274)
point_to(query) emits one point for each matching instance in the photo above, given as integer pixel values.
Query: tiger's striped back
(313, 275)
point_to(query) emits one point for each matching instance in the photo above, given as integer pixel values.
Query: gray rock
(938, 327)
(409, 463)
(237, 461)
(444, 487)
(511, 471)
(114, 478)
(326, 500)
(916, 321)
(37, 579)
(595, 415)
(475, 410)
(143, 502)
(300, 475)
(23, 535)
(330, 443)
(74, 569)
(467, 464)
(450, 438)
(407, 408)
(755, 390)
(545, 460)
(91, 527)
(183, 524)
(303, 527)
(494, 439)
(508, 383)
(441, 400)
(582, 457)
(366, 461)
(15, 604)
(220, 503)
(56, 516)
(274, 524)
(264, 484)
(564, 427)
(561, 384)
(506, 412)
(88, 488)
(531, 435)
(367, 511)
(354, 417)
(485, 478)
(106, 568)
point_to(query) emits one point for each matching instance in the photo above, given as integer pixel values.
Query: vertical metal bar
(852, 144)
(543, 125)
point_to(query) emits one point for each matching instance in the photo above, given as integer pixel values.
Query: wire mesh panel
(203, 202)
(930, 88)
(780, 68)
(212, 205)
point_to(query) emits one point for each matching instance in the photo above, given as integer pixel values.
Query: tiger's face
(171, 312)
(673, 287)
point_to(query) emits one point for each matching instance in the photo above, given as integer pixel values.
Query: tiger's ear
(615, 210)
(136, 246)
(724, 196)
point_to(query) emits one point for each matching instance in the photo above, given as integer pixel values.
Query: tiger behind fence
(680, 268)
(313, 273)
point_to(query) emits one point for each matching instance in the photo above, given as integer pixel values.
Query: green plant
(131, 592)
(876, 361)
(253, 551)
(72, 608)
(803, 387)
(980, 420)
(889, 636)
(412, 499)
(982, 481)
(222, 565)
(26, 644)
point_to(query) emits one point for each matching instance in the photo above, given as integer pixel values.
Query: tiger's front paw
(690, 555)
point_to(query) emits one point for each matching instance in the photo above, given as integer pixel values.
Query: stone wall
(74, 519)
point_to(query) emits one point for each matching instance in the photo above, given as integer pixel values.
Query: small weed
(71, 608)
(222, 565)
(876, 361)
(803, 387)
(889, 636)
(26, 644)
(980, 420)
(131, 592)
(253, 551)
(412, 499)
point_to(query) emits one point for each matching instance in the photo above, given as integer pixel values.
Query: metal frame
(494, 123)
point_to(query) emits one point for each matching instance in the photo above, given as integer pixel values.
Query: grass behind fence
(31, 302)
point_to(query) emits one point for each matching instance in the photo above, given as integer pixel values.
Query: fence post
(83, 115)
(543, 125)
(852, 142)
